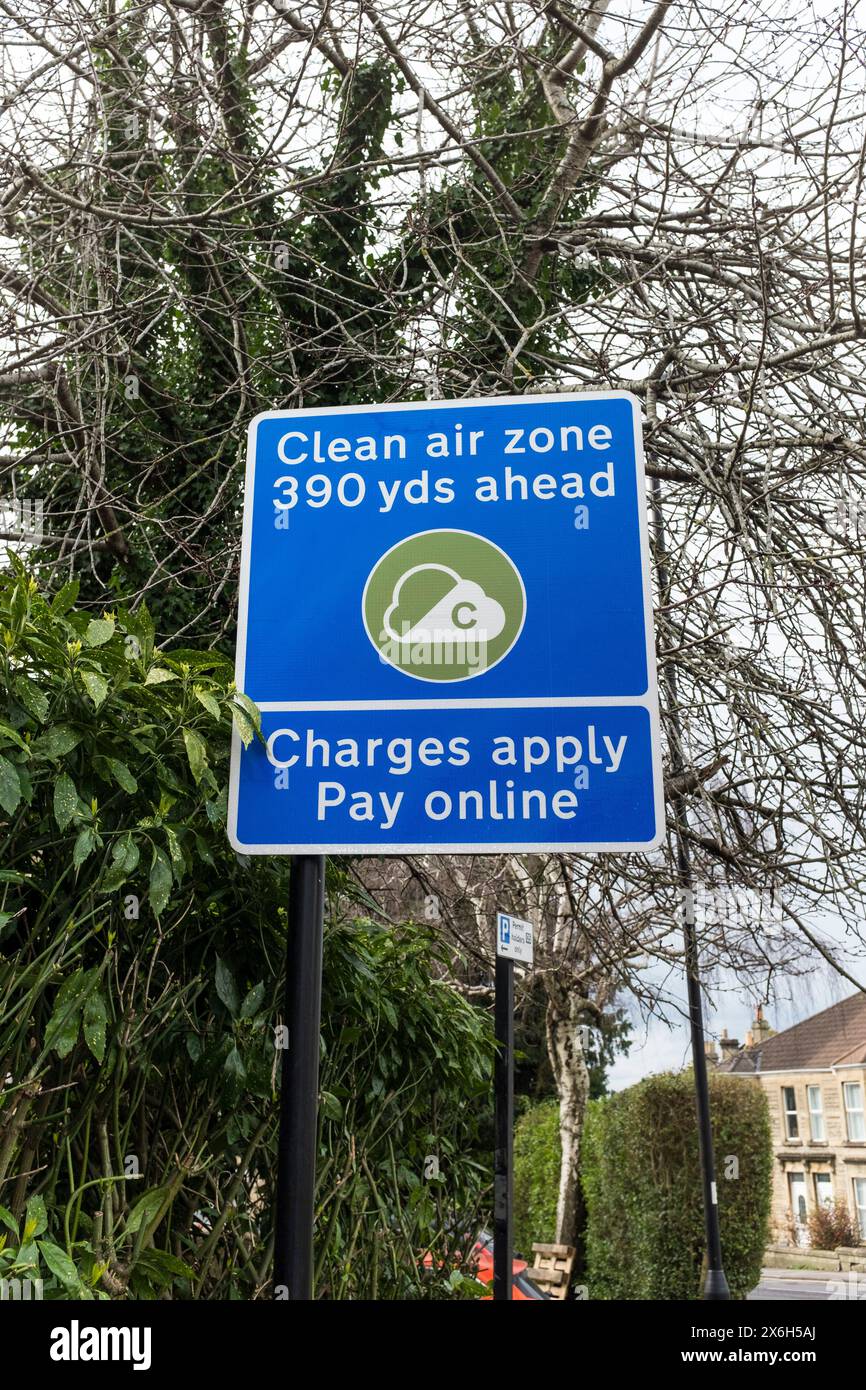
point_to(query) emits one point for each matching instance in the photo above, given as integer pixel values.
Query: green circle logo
(444, 605)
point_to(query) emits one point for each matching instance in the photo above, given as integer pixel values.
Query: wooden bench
(551, 1268)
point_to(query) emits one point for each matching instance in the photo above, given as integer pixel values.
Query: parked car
(481, 1264)
(522, 1286)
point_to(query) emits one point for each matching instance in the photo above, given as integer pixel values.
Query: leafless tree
(214, 206)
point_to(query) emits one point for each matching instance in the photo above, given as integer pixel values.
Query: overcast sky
(658, 1046)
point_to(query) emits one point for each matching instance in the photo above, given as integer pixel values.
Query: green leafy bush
(405, 1078)
(537, 1155)
(140, 965)
(641, 1179)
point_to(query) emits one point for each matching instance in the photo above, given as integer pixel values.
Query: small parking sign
(514, 938)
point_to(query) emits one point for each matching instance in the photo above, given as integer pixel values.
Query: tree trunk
(565, 1049)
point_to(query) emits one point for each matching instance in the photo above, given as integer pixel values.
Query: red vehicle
(522, 1287)
(481, 1260)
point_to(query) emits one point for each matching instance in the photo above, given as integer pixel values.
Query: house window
(799, 1213)
(816, 1113)
(823, 1190)
(789, 1105)
(860, 1204)
(854, 1117)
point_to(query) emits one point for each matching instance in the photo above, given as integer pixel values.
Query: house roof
(834, 1037)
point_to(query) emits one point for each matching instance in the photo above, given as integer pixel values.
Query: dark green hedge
(536, 1174)
(641, 1178)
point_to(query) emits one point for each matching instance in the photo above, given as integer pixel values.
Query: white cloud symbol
(465, 611)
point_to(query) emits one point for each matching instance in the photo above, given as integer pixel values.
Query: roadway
(808, 1285)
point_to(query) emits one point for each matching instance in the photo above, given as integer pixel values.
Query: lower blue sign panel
(388, 781)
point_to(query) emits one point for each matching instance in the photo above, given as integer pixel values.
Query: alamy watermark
(853, 1287)
(21, 519)
(729, 906)
(20, 1290)
(416, 648)
(850, 516)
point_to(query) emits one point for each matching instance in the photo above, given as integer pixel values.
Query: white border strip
(513, 847)
(507, 702)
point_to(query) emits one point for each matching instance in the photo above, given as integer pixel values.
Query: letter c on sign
(281, 448)
(461, 608)
(272, 757)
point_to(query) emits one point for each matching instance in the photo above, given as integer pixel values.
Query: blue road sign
(445, 620)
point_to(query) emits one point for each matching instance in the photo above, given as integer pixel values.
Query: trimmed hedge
(641, 1179)
(537, 1155)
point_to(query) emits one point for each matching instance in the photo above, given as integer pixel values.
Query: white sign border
(648, 700)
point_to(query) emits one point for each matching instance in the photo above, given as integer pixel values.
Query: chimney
(729, 1046)
(761, 1027)
(710, 1052)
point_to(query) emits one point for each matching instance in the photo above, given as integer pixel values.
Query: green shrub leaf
(32, 698)
(95, 1020)
(85, 844)
(56, 743)
(226, 987)
(205, 698)
(160, 881)
(10, 786)
(65, 800)
(196, 752)
(95, 685)
(59, 1263)
(99, 631)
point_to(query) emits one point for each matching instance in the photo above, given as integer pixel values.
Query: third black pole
(715, 1284)
(503, 1157)
(299, 1083)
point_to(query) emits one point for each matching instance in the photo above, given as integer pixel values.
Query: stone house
(814, 1076)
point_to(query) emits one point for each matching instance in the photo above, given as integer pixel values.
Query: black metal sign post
(503, 1160)
(299, 1083)
(715, 1287)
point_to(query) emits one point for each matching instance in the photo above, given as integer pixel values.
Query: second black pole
(715, 1286)
(299, 1083)
(503, 1157)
